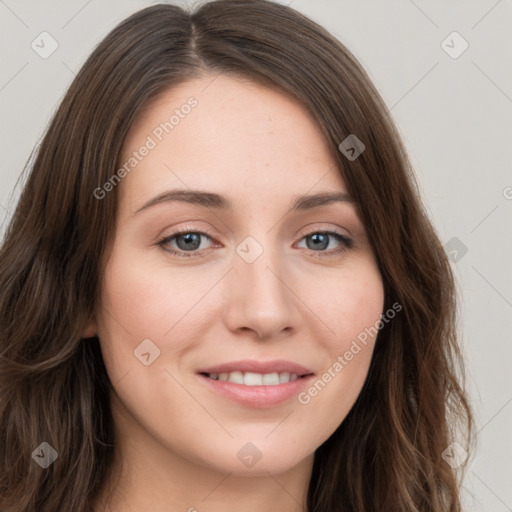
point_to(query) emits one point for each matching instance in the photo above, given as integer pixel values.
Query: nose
(259, 298)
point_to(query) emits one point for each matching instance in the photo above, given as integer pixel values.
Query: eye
(188, 242)
(318, 241)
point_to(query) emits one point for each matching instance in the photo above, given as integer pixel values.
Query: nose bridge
(259, 297)
(258, 267)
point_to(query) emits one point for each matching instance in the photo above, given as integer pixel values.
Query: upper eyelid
(303, 233)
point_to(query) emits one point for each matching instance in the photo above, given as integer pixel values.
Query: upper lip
(247, 365)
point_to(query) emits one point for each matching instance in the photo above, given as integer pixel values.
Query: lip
(247, 365)
(258, 396)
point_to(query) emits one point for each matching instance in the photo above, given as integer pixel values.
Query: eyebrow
(212, 200)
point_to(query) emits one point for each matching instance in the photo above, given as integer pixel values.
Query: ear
(91, 330)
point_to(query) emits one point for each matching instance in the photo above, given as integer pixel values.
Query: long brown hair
(387, 455)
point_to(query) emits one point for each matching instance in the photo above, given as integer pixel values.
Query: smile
(256, 384)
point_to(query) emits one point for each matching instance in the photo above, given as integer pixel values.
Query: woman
(220, 285)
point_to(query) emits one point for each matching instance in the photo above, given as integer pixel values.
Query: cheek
(349, 306)
(141, 302)
(133, 309)
(144, 300)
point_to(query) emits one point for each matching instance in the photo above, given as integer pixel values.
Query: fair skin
(178, 439)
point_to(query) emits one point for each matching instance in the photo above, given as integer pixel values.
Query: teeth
(255, 379)
(271, 379)
(236, 377)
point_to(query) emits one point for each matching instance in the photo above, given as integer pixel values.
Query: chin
(254, 459)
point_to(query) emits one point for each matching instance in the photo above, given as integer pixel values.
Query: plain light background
(454, 114)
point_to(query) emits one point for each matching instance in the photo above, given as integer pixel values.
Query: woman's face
(267, 283)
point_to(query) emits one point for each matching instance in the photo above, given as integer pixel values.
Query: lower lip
(258, 396)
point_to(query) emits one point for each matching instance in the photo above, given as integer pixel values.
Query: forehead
(229, 136)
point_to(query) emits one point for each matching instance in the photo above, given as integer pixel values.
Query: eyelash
(345, 242)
